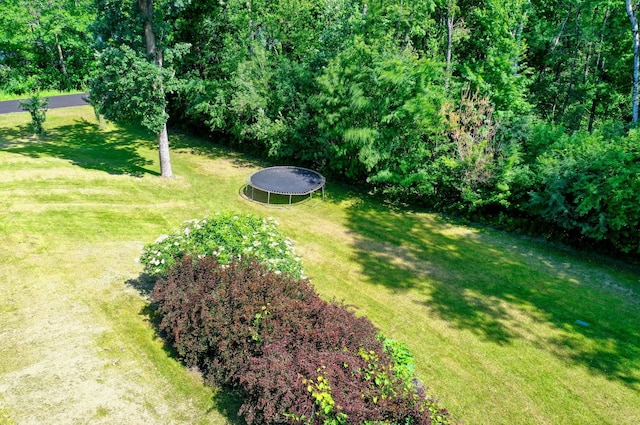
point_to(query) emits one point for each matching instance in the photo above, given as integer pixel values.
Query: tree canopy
(520, 112)
(45, 44)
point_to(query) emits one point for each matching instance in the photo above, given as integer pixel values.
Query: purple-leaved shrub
(295, 357)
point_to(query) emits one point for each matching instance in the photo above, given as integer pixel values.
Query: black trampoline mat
(287, 180)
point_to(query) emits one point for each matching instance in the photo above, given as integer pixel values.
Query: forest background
(517, 113)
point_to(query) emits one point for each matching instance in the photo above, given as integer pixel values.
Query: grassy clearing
(491, 318)
(44, 93)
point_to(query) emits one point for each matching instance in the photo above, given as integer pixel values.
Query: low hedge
(295, 357)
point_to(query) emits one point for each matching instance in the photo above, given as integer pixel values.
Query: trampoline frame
(315, 188)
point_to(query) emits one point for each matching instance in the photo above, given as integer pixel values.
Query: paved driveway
(9, 106)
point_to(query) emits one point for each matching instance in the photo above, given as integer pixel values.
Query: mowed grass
(490, 317)
(44, 93)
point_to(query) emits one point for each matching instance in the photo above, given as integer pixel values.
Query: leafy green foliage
(126, 88)
(295, 357)
(257, 72)
(359, 90)
(321, 392)
(37, 108)
(403, 361)
(491, 55)
(379, 113)
(591, 185)
(581, 62)
(45, 45)
(225, 236)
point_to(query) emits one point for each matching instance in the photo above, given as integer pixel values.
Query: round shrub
(296, 357)
(225, 236)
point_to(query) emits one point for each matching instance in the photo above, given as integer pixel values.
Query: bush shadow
(144, 284)
(226, 401)
(482, 281)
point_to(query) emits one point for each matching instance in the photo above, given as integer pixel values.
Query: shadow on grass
(225, 400)
(84, 144)
(210, 149)
(483, 283)
(114, 151)
(144, 284)
(275, 200)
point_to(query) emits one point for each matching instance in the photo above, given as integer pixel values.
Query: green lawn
(44, 93)
(490, 318)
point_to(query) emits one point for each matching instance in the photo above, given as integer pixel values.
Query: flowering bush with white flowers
(226, 236)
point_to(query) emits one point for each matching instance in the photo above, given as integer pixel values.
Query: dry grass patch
(75, 343)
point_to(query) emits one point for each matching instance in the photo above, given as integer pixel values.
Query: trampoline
(285, 180)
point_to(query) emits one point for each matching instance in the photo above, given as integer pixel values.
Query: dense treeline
(45, 45)
(516, 111)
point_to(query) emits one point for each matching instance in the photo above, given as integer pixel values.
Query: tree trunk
(155, 54)
(598, 71)
(63, 67)
(450, 22)
(592, 114)
(556, 41)
(163, 149)
(636, 59)
(518, 38)
(146, 8)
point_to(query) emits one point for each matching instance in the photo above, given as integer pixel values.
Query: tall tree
(631, 12)
(493, 51)
(253, 65)
(132, 82)
(451, 29)
(451, 10)
(577, 59)
(154, 53)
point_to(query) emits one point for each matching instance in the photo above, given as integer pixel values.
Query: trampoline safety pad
(285, 180)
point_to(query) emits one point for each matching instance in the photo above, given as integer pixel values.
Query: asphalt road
(9, 106)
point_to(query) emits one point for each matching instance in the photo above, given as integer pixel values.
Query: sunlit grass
(43, 93)
(491, 318)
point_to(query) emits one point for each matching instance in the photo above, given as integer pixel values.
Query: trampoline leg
(268, 198)
(289, 199)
